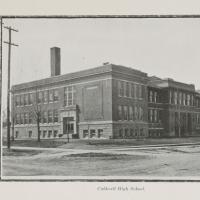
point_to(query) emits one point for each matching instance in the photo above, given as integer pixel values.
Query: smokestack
(55, 61)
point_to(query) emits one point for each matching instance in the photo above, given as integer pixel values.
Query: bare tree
(37, 114)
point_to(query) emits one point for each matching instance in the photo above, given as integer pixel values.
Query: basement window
(30, 134)
(16, 134)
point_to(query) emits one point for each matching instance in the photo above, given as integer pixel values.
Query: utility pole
(13, 117)
(10, 29)
(1, 25)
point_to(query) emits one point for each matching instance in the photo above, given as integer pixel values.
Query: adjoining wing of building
(109, 101)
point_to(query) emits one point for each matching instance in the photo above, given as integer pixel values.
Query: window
(120, 115)
(74, 96)
(124, 88)
(51, 96)
(92, 133)
(136, 132)
(26, 100)
(30, 134)
(155, 116)
(69, 96)
(126, 132)
(44, 134)
(46, 94)
(160, 116)
(16, 134)
(188, 99)
(85, 133)
(21, 118)
(132, 132)
(136, 112)
(135, 91)
(155, 97)
(21, 100)
(100, 133)
(45, 116)
(55, 133)
(143, 91)
(150, 96)
(150, 115)
(55, 115)
(120, 89)
(17, 100)
(50, 116)
(192, 100)
(184, 99)
(56, 95)
(140, 113)
(121, 133)
(70, 100)
(132, 90)
(127, 89)
(142, 132)
(30, 98)
(40, 97)
(140, 91)
(180, 98)
(49, 133)
(131, 113)
(25, 118)
(125, 112)
(30, 118)
(175, 98)
(17, 119)
(170, 97)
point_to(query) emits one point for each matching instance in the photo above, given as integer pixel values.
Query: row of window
(153, 96)
(131, 133)
(24, 99)
(127, 89)
(180, 98)
(130, 113)
(155, 133)
(92, 133)
(47, 96)
(154, 116)
(49, 116)
(49, 134)
(43, 134)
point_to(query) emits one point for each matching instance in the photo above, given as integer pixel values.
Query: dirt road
(182, 161)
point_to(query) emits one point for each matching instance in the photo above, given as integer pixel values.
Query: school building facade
(105, 102)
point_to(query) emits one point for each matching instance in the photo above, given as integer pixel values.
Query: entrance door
(68, 125)
(189, 123)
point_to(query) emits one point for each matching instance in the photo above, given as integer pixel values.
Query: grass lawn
(20, 152)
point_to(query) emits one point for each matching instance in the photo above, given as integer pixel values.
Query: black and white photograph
(100, 98)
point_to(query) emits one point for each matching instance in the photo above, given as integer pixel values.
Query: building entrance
(68, 126)
(183, 124)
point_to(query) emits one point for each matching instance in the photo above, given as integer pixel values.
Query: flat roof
(80, 74)
(165, 83)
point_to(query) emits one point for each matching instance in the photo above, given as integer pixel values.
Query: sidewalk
(114, 148)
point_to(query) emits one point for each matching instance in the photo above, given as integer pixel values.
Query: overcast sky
(161, 47)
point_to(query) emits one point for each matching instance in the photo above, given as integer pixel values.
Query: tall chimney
(55, 61)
